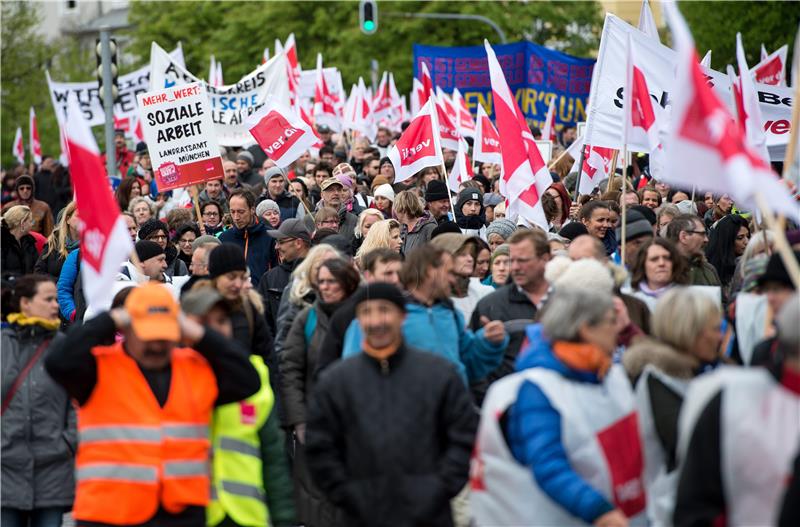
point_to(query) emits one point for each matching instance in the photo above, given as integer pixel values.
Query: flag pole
(624, 205)
(553, 162)
(449, 192)
(580, 172)
(781, 243)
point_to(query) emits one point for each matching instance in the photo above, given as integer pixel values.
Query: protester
(416, 223)
(638, 232)
(366, 220)
(650, 198)
(437, 198)
(658, 268)
(198, 268)
(685, 342)
(184, 238)
(42, 216)
(38, 423)
(128, 189)
(142, 209)
(470, 213)
(64, 239)
(664, 216)
(466, 289)
(269, 211)
(123, 157)
(211, 218)
(566, 403)
(498, 231)
(19, 252)
(214, 191)
(726, 244)
(157, 231)
(384, 197)
(336, 281)
(275, 190)
(382, 234)
(596, 217)
(761, 243)
(332, 196)
(482, 260)
(244, 167)
(130, 224)
(723, 205)
(390, 470)
(125, 474)
(249, 232)
(498, 267)
(689, 235)
(741, 436)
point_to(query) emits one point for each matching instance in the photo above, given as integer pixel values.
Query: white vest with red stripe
(759, 437)
(601, 438)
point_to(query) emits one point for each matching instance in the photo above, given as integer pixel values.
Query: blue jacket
(66, 284)
(440, 329)
(259, 247)
(534, 434)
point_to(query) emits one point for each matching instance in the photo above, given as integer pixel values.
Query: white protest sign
(230, 104)
(89, 97)
(604, 121)
(180, 136)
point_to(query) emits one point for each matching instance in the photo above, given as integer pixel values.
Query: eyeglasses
(211, 213)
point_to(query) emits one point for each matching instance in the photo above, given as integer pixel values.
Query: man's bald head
(587, 246)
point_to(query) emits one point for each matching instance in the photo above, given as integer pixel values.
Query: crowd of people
(320, 345)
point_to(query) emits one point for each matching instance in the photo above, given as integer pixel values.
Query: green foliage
(715, 24)
(237, 32)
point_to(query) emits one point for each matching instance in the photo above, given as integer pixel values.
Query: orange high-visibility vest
(134, 455)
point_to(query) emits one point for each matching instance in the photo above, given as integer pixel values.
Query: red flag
(324, 101)
(487, 140)
(462, 168)
(419, 146)
(281, 133)
(105, 242)
(639, 115)
(525, 176)
(703, 134)
(33, 135)
(18, 148)
(549, 131)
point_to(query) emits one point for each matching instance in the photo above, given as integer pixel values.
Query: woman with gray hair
(685, 342)
(567, 418)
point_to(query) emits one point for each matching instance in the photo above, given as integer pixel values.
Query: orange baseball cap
(153, 312)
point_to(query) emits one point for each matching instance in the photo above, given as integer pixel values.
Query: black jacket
(390, 441)
(51, 262)
(287, 204)
(18, 257)
(506, 303)
(271, 287)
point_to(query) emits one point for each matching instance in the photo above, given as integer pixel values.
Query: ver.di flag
(281, 133)
(640, 123)
(418, 147)
(487, 141)
(105, 242)
(462, 168)
(33, 136)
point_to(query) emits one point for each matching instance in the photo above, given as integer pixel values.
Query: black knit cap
(572, 230)
(152, 226)
(380, 291)
(145, 249)
(436, 190)
(226, 258)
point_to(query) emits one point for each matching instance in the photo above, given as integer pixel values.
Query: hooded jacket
(258, 247)
(18, 257)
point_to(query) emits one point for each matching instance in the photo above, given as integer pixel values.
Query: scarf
(655, 293)
(582, 356)
(20, 319)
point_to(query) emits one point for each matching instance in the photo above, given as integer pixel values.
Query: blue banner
(534, 73)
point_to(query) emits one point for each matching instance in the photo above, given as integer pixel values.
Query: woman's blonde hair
(57, 241)
(362, 218)
(14, 216)
(681, 315)
(408, 203)
(378, 237)
(301, 276)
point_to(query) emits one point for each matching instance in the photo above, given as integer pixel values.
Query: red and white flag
(364, 121)
(639, 121)
(525, 176)
(772, 69)
(549, 131)
(487, 141)
(427, 85)
(136, 132)
(702, 133)
(448, 131)
(265, 56)
(462, 168)
(647, 23)
(293, 67)
(281, 133)
(418, 147)
(18, 148)
(33, 136)
(325, 102)
(706, 62)
(382, 103)
(447, 104)
(764, 53)
(416, 95)
(597, 162)
(398, 110)
(746, 103)
(466, 124)
(105, 242)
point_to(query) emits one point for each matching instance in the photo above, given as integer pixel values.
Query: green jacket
(702, 273)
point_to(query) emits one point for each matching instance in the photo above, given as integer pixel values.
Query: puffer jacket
(38, 428)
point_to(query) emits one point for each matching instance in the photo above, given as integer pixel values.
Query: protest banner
(231, 104)
(180, 135)
(535, 74)
(281, 133)
(308, 79)
(658, 64)
(90, 99)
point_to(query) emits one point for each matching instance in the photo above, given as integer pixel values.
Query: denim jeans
(44, 517)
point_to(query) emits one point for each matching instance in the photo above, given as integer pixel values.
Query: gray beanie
(504, 228)
(273, 172)
(245, 156)
(266, 205)
(501, 250)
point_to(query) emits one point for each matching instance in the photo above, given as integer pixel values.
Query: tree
(237, 32)
(715, 24)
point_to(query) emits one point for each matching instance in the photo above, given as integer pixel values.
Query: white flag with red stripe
(447, 104)
(487, 141)
(702, 133)
(382, 103)
(525, 176)
(462, 167)
(265, 56)
(549, 131)
(427, 85)
(325, 112)
(418, 147)
(466, 124)
(364, 121)
(640, 123)
(105, 242)
(293, 68)
(448, 132)
(18, 148)
(772, 69)
(33, 136)
(597, 161)
(281, 133)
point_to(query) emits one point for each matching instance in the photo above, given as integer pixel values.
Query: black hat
(572, 230)
(291, 228)
(469, 194)
(141, 147)
(636, 226)
(224, 259)
(647, 213)
(151, 226)
(776, 271)
(380, 291)
(341, 243)
(23, 180)
(145, 249)
(436, 190)
(444, 227)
